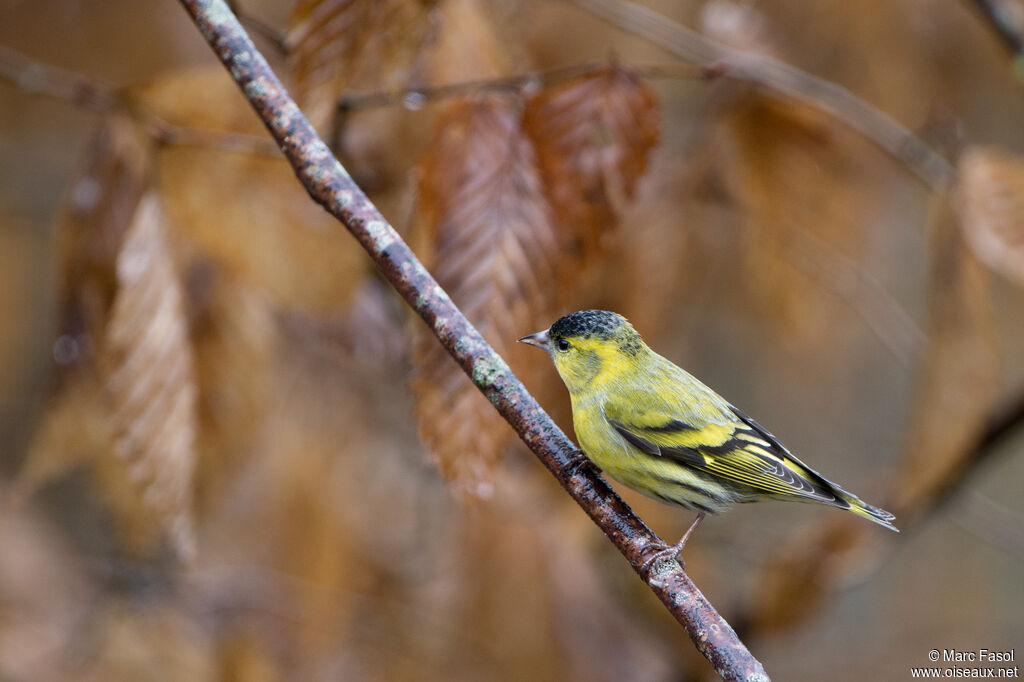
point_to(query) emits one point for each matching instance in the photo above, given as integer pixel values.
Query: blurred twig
(1000, 17)
(890, 323)
(272, 35)
(38, 78)
(186, 136)
(1005, 420)
(991, 521)
(44, 79)
(771, 73)
(331, 186)
(524, 82)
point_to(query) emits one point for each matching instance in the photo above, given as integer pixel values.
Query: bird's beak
(540, 339)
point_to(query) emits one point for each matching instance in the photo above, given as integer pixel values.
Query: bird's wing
(734, 448)
(756, 457)
(657, 440)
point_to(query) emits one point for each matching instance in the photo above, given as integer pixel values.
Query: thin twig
(991, 521)
(331, 186)
(520, 83)
(36, 77)
(516, 83)
(780, 77)
(187, 136)
(883, 315)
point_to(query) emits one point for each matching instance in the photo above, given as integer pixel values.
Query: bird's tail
(871, 513)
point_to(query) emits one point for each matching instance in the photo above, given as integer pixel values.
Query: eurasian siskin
(655, 428)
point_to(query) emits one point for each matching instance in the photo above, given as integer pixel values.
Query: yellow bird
(655, 428)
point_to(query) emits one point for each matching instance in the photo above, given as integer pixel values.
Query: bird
(657, 429)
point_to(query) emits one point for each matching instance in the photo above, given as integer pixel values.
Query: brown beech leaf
(804, 188)
(990, 206)
(75, 429)
(593, 137)
(796, 581)
(147, 363)
(245, 212)
(47, 596)
(335, 42)
(233, 335)
(126, 405)
(94, 217)
(467, 46)
(956, 392)
(959, 376)
(494, 251)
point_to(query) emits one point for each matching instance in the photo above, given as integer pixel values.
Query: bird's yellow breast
(606, 447)
(597, 437)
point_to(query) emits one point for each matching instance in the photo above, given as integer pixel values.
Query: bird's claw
(662, 553)
(669, 552)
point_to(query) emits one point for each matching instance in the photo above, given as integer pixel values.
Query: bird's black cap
(586, 323)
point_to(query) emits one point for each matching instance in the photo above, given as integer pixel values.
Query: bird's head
(590, 347)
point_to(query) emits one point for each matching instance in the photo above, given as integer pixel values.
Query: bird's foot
(662, 553)
(667, 553)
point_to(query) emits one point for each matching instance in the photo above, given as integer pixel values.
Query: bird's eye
(562, 344)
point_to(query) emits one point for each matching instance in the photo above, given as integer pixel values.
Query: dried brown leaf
(601, 638)
(94, 217)
(494, 251)
(47, 596)
(147, 363)
(368, 333)
(246, 213)
(234, 336)
(959, 380)
(990, 207)
(93, 220)
(74, 429)
(956, 393)
(242, 656)
(659, 279)
(796, 581)
(77, 433)
(335, 42)
(125, 335)
(157, 643)
(593, 137)
(467, 47)
(796, 179)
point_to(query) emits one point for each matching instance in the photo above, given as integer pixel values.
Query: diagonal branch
(330, 185)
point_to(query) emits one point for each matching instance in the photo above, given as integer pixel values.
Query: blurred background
(229, 452)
